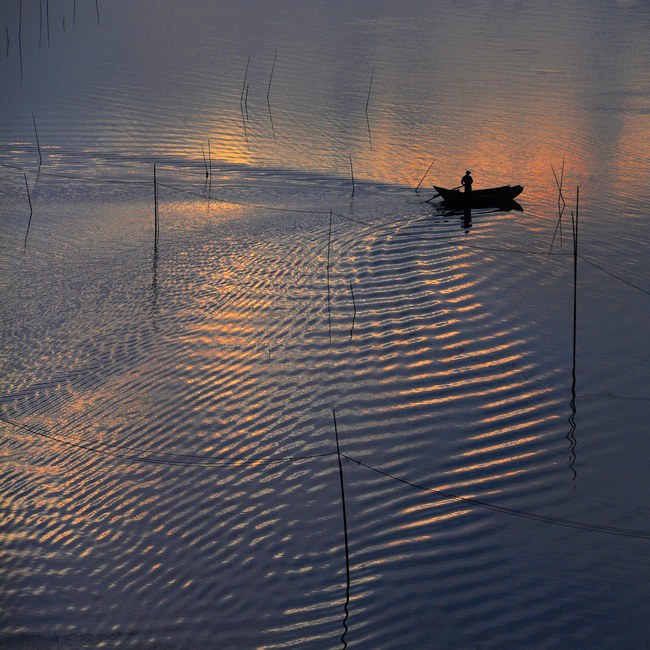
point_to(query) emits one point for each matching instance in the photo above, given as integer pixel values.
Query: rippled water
(167, 409)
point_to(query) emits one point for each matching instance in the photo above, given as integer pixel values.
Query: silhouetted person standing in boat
(467, 180)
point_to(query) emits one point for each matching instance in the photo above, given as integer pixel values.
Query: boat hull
(487, 198)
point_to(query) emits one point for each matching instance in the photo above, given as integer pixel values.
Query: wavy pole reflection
(345, 536)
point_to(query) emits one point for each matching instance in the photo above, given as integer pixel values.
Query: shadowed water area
(174, 355)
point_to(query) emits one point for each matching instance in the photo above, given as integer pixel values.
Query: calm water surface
(170, 477)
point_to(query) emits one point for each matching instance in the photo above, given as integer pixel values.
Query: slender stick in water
(38, 144)
(97, 9)
(367, 103)
(575, 273)
(425, 175)
(7, 52)
(345, 537)
(31, 211)
(155, 206)
(354, 304)
(571, 435)
(47, 20)
(29, 198)
(268, 91)
(560, 206)
(243, 90)
(74, 14)
(329, 308)
(209, 159)
(205, 161)
(369, 89)
(20, 39)
(352, 174)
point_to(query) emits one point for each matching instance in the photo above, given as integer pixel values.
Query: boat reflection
(465, 214)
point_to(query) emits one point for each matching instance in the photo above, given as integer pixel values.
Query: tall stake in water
(268, 91)
(20, 39)
(571, 435)
(354, 305)
(352, 174)
(561, 205)
(345, 536)
(31, 211)
(155, 207)
(367, 103)
(425, 175)
(243, 90)
(38, 144)
(575, 281)
(329, 309)
(205, 161)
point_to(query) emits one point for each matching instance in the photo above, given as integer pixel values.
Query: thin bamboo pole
(38, 144)
(354, 305)
(329, 306)
(425, 175)
(345, 537)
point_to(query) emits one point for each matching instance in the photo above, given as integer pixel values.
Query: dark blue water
(167, 406)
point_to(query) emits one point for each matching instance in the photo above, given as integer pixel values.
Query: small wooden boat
(494, 196)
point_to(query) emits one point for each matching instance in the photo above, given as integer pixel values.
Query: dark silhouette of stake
(31, 211)
(242, 107)
(155, 207)
(268, 91)
(329, 307)
(575, 276)
(243, 90)
(352, 174)
(38, 144)
(372, 76)
(425, 175)
(561, 205)
(354, 304)
(205, 161)
(20, 39)
(367, 103)
(571, 435)
(345, 536)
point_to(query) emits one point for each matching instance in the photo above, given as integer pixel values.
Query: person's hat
(468, 172)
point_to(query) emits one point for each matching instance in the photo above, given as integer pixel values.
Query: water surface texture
(176, 365)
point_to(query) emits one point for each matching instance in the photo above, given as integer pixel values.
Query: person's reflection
(467, 219)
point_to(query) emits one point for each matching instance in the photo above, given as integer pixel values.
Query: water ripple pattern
(170, 469)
